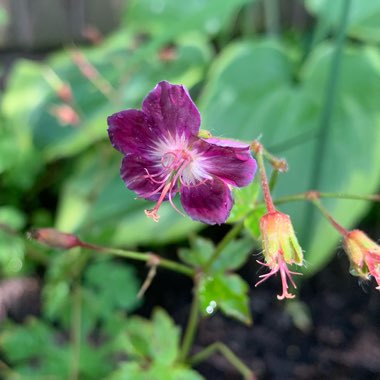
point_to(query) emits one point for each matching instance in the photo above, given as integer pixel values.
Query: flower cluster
(164, 155)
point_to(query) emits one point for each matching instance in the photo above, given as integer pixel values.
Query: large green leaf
(251, 93)
(183, 17)
(363, 17)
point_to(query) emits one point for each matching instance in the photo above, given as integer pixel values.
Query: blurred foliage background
(256, 69)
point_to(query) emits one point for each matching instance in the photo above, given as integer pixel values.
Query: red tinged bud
(54, 238)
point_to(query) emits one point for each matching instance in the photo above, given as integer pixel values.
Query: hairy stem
(146, 257)
(264, 180)
(328, 216)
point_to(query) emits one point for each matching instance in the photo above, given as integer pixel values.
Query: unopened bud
(364, 255)
(54, 238)
(65, 114)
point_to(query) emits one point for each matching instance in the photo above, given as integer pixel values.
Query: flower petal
(135, 171)
(171, 110)
(209, 202)
(129, 132)
(227, 142)
(233, 164)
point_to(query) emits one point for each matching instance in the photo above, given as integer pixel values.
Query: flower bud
(281, 248)
(364, 255)
(54, 238)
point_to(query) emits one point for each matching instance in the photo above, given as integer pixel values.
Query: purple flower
(163, 155)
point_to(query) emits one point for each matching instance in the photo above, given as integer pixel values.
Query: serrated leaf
(229, 293)
(199, 253)
(114, 284)
(165, 339)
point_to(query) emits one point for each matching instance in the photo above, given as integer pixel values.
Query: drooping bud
(281, 248)
(54, 238)
(364, 255)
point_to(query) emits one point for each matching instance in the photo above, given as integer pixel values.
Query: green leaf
(12, 247)
(156, 340)
(353, 145)
(245, 199)
(114, 284)
(252, 222)
(197, 15)
(232, 257)
(157, 371)
(363, 21)
(199, 254)
(165, 339)
(227, 292)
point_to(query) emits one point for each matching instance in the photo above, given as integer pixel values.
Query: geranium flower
(364, 255)
(281, 248)
(163, 155)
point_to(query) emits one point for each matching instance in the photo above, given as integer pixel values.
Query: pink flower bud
(364, 255)
(54, 238)
(281, 248)
(65, 114)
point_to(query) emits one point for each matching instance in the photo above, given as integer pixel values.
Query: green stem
(192, 324)
(273, 179)
(328, 216)
(271, 17)
(327, 110)
(306, 196)
(76, 331)
(232, 233)
(146, 257)
(228, 354)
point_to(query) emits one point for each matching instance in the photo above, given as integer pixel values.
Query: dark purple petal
(171, 111)
(209, 202)
(134, 173)
(129, 132)
(234, 165)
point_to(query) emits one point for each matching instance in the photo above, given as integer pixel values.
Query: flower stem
(306, 196)
(146, 257)
(328, 216)
(264, 180)
(228, 354)
(192, 324)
